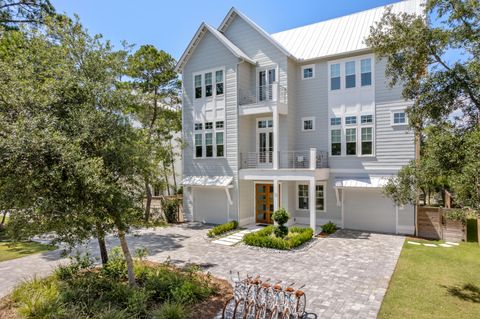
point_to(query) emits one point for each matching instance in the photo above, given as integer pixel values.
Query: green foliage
(14, 13)
(266, 238)
(171, 310)
(223, 228)
(459, 215)
(77, 263)
(281, 231)
(329, 228)
(170, 207)
(281, 216)
(116, 267)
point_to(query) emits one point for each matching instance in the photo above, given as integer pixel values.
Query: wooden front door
(264, 203)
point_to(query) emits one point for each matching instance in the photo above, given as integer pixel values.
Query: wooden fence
(157, 210)
(432, 224)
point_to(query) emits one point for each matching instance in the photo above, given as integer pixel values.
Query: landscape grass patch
(223, 228)
(267, 239)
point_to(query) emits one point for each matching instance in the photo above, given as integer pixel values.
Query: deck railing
(303, 159)
(264, 93)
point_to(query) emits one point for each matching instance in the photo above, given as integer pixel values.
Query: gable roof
(231, 16)
(339, 35)
(220, 37)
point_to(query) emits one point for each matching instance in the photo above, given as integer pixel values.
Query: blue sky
(170, 25)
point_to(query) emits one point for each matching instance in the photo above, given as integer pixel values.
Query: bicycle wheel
(240, 308)
(285, 314)
(229, 308)
(250, 311)
(301, 304)
(276, 314)
(262, 312)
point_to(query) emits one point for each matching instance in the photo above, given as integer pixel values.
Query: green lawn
(435, 282)
(9, 250)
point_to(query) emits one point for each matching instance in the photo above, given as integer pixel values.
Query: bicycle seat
(266, 285)
(289, 289)
(277, 287)
(299, 293)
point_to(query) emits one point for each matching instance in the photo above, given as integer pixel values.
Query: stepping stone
(222, 242)
(231, 240)
(450, 243)
(446, 245)
(430, 245)
(413, 243)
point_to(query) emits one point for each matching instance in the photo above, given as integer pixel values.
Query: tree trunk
(166, 178)
(128, 258)
(101, 243)
(149, 200)
(4, 217)
(173, 168)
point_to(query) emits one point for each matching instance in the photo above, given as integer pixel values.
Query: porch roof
(360, 182)
(207, 181)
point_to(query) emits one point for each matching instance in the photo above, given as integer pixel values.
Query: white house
(301, 119)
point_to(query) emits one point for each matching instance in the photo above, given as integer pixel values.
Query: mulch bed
(6, 309)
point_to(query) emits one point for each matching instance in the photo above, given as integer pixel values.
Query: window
(308, 124)
(208, 84)
(336, 141)
(367, 141)
(350, 120)
(219, 142)
(319, 198)
(209, 144)
(198, 145)
(366, 72)
(219, 124)
(350, 74)
(399, 118)
(334, 76)
(336, 121)
(366, 119)
(302, 197)
(351, 139)
(198, 86)
(265, 123)
(219, 82)
(198, 126)
(208, 125)
(308, 72)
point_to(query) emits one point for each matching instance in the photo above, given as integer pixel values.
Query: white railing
(304, 159)
(264, 93)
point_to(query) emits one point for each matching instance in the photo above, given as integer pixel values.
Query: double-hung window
(198, 145)
(210, 139)
(350, 74)
(208, 84)
(303, 197)
(320, 198)
(351, 141)
(219, 82)
(209, 144)
(198, 86)
(366, 72)
(336, 141)
(367, 141)
(219, 144)
(335, 76)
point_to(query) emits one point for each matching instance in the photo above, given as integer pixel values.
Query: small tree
(281, 217)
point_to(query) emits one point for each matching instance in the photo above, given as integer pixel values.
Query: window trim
(214, 130)
(297, 199)
(348, 74)
(330, 76)
(373, 141)
(392, 117)
(356, 141)
(214, 84)
(308, 118)
(339, 128)
(361, 72)
(312, 66)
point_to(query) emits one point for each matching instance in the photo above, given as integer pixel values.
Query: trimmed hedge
(266, 238)
(223, 228)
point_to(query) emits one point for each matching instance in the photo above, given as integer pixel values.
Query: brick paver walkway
(346, 274)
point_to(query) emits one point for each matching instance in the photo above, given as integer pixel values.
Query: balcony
(306, 159)
(264, 100)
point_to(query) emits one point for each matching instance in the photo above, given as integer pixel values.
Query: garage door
(210, 205)
(369, 210)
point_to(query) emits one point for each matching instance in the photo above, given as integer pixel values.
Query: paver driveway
(346, 274)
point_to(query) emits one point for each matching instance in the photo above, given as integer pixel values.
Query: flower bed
(222, 229)
(267, 239)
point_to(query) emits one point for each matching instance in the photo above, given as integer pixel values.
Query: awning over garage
(361, 182)
(207, 181)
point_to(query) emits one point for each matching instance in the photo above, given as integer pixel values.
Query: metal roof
(339, 35)
(207, 181)
(361, 182)
(220, 37)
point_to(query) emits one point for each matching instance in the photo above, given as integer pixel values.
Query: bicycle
(236, 304)
(293, 298)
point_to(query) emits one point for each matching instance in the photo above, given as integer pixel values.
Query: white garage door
(369, 210)
(210, 205)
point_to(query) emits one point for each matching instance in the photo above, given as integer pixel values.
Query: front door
(264, 200)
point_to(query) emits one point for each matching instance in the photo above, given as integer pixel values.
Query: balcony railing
(305, 159)
(264, 93)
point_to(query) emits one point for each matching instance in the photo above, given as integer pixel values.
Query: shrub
(265, 238)
(329, 228)
(281, 216)
(459, 215)
(223, 228)
(170, 207)
(171, 310)
(116, 268)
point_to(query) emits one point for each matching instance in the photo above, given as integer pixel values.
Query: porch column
(276, 195)
(276, 131)
(312, 204)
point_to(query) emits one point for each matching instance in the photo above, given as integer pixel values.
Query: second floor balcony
(263, 99)
(303, 159)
